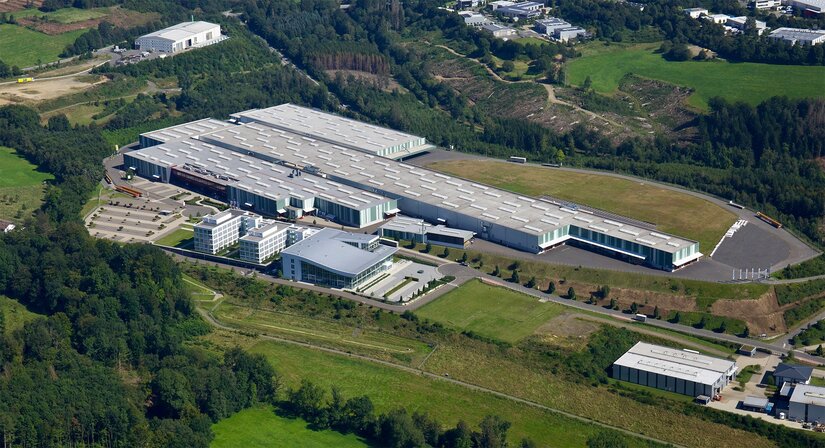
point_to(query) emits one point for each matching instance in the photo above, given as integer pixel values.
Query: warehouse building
(807, 404)
(180, 37)
(523, 10)
(277, 172)
(420, 231)
(681, 371)
(798, 36)
(499, 31)
(550, 24)
(809, 8)
(336, 259)
(568, 34)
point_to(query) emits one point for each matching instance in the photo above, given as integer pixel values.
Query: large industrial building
(681, 371)
(180, 37)
(807, 404)
(798, 36)
(290, 161)
(337, 259)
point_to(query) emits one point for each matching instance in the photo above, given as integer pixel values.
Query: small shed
(702, 399)
(747, 350)
(756, 404)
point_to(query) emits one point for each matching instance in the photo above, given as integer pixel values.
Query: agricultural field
(23, 47)
(21, 185)
(261, 427)
(608, 64)
(490, 311)
(672, 212)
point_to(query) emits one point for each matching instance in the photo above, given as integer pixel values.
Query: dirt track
(44, 89)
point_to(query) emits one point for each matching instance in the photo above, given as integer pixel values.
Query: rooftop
(328, 249)
(797, 33)
(182, 30)
(806, 394)
(793, 371)
(265, 230)
(683, 364)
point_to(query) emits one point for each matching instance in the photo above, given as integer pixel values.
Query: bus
(518, 159)
(769, 220)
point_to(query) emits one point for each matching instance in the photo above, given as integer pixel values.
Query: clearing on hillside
(491, 311)
(23, 47)
(672, 212)
(607, 64)
(21, 185)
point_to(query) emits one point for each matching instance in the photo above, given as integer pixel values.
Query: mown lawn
(672, 211)
(389, 388)
(24, 48)
(748, 82)
(260, 427)
(177, 238)
(21, 185)
(491, 311)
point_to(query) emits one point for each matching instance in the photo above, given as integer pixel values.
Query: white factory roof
(265, 230)
(186, 130)
(533, 216)
(328, 248)
(683, 364)
(807, 394)
(331, 128)
(181, 31)
(796, 34)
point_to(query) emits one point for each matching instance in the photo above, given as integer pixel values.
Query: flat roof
(181, 31)
(330, 127)
(327, 248)
(264, 231)
(807, 394)
(534, 216)
(755, 402)
(407, 225)
(455, 233)
(185, 130)
(676, 363)
(797, 33)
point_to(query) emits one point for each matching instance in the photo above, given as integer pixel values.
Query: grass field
(672, 212)
(606, 65)
(389, 388)
(180, 237)
(72, 15)
(24, 48)
(495, 312)
(21, 185)
(261, 428)
(15, 314)
(323, 332)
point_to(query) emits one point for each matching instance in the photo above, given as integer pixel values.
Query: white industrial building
(499, 31)
(289, 160)
(474, 19)
(695, 13)
(337, 259)
(798, 36)
(740, 23)
(807, 403)
(681, 371)
(420, 231)
(807, 7)
(550, 24)
(568, 34)
(180, 37)
(765, 4)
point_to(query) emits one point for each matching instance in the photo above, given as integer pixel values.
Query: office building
(499, 31)
(764, 4)
(264, 241)
(180, 37)
(473, 19)
(792, 374)
(266, 169)
(336, 259)
(682, 371)
(221, 230)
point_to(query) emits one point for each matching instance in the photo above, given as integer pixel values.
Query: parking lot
(133, 220)
(414, 277)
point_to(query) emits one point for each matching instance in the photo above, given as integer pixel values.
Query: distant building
(221, 230)
(740, 23)
(549, 25)
(681, 371)
(499, 31)
(464, 4)
(337, 259)
(473, 19)
(717, 18)
(6, 226)
(764, 4)
(792, 374)
(807, 404)
(180, 37)
(807, 7)
(523, 10)
(798, 36)
(501, 4)
(567, 34)
(695, 13)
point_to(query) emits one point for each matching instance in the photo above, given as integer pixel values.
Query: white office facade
(681, 371)
(217, 232)
(264, 242)
(180, 37)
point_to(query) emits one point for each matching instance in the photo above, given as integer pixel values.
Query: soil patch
(44, 90)
(120, 18)
(762, 315)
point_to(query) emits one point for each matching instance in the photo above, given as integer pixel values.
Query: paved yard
(404, 270)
